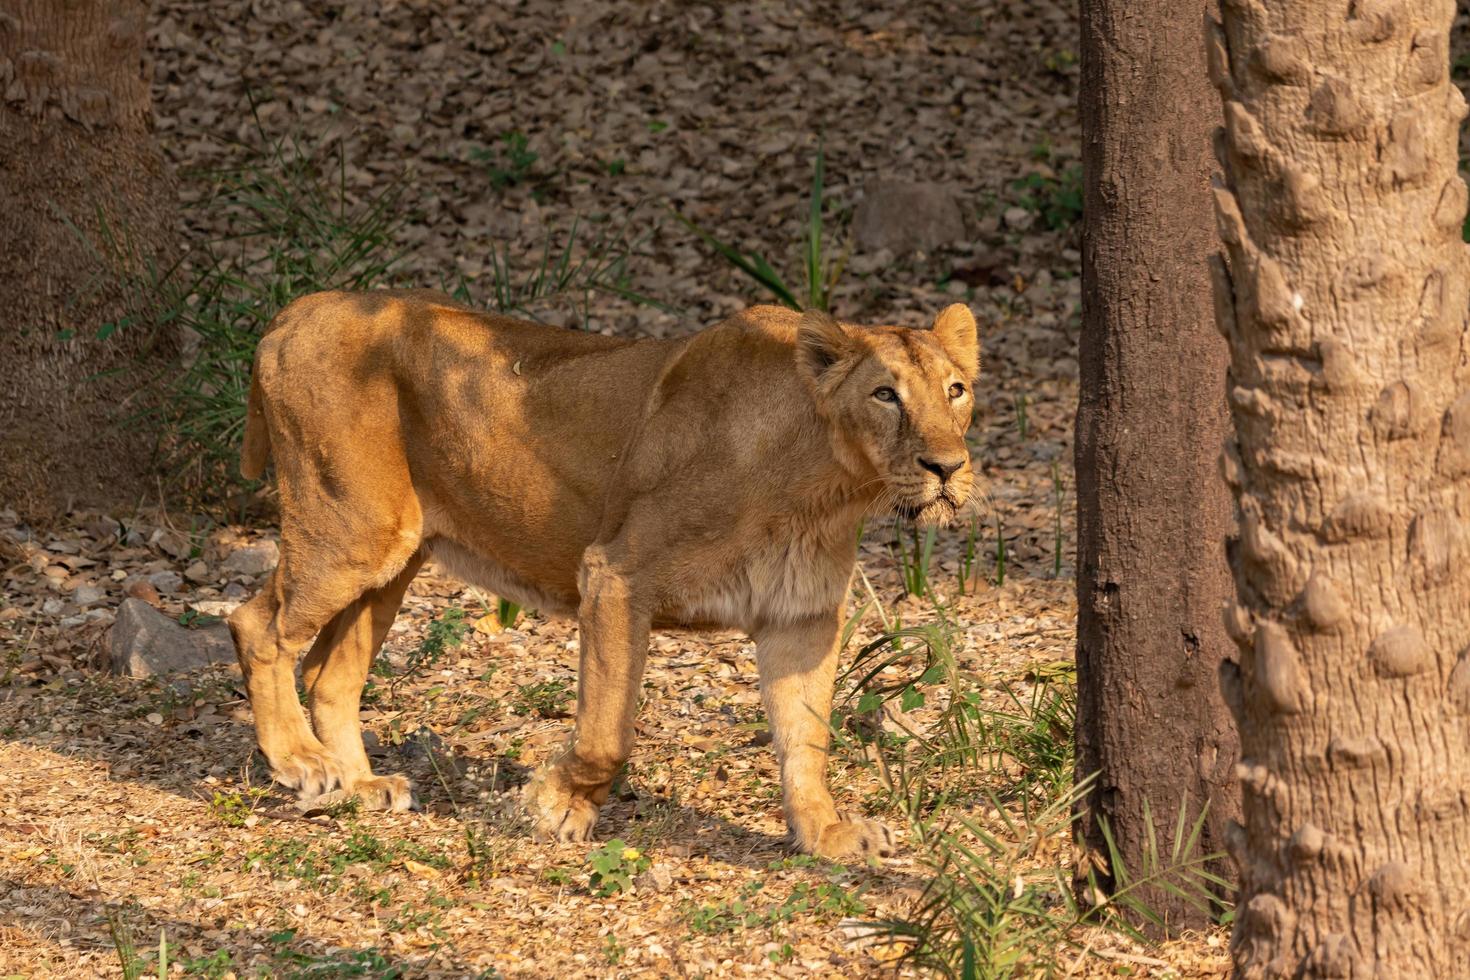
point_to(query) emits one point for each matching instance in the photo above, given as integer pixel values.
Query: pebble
(88, 595)
(142, 589)
(1018, 218)
(166, 581)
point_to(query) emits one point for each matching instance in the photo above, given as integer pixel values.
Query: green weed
(233, 809)
(508, 163)
(445, 632)
(546, 699)
(821, 269)
(914, 561)
(967, 566)
(990, 908)
(293, 229)
(1057, 200)
(320, 863)
(572, 271)
(322, 966)
(1000, 553)
(614, 867)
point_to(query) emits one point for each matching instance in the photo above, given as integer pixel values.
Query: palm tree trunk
(1344, 301)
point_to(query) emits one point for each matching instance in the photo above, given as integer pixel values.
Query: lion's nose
(942, 468)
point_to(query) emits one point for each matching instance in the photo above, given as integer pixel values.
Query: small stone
(1018, 218)
(144, 642)
(236, 592)
(658, 878)
(198, 573)
(154, 718)
(88, 595)
(142, 589)
(252, 560)
(167, 581)
(52, 607)
(907, 217)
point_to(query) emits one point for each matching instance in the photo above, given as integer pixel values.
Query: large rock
(252, 560)
(144, 642)
(906, 217)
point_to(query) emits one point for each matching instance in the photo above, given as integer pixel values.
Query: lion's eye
(886, 394)
(956, 390)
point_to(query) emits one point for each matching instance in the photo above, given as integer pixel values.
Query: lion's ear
(957, 333)
(820, 343)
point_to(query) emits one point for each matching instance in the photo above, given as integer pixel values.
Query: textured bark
(76, 157)
(1343, 295)
(1152, 512)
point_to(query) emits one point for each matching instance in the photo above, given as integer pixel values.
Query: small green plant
(821, 269)
(1000, 553)
(292, 962)
(320, 863)
(1057, 200)
(292, 229)
(121, 933)
(990, 911)
(445, 632)
(571, 271)
(215, 966)
(233, 809)
(545, 698)
(823, 901)
(507, 613)
(914, 562)
(967, 556)
(612, 950)
(1058, 61)
(614, 867)
(509, 163)
(559, 875)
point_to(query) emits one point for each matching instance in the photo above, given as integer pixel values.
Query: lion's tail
(256, 450)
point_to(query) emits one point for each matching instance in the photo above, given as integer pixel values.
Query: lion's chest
(783, 580)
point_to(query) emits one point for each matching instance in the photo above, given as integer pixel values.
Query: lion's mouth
(939, 509)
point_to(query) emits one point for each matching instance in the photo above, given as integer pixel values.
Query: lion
(711, 482)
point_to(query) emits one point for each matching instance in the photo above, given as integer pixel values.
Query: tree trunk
(1344, 301)
(83, 190)
(1152, 512)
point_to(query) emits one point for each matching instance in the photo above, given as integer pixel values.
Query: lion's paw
(310, 771)
(854, 837)
(385, 793)
(373, 793)
(555, 813)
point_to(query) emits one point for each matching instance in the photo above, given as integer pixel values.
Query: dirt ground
(130, 808)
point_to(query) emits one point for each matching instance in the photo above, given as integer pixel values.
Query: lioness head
(898, 402)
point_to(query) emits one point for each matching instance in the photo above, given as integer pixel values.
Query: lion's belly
(547, 596)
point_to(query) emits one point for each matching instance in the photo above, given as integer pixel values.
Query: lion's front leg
(798, 666)
(564, 797)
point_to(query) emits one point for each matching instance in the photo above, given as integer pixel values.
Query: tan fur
(714, 481)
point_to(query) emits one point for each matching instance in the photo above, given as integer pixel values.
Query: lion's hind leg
(297, 758)
(325, 584)
(334, 672)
